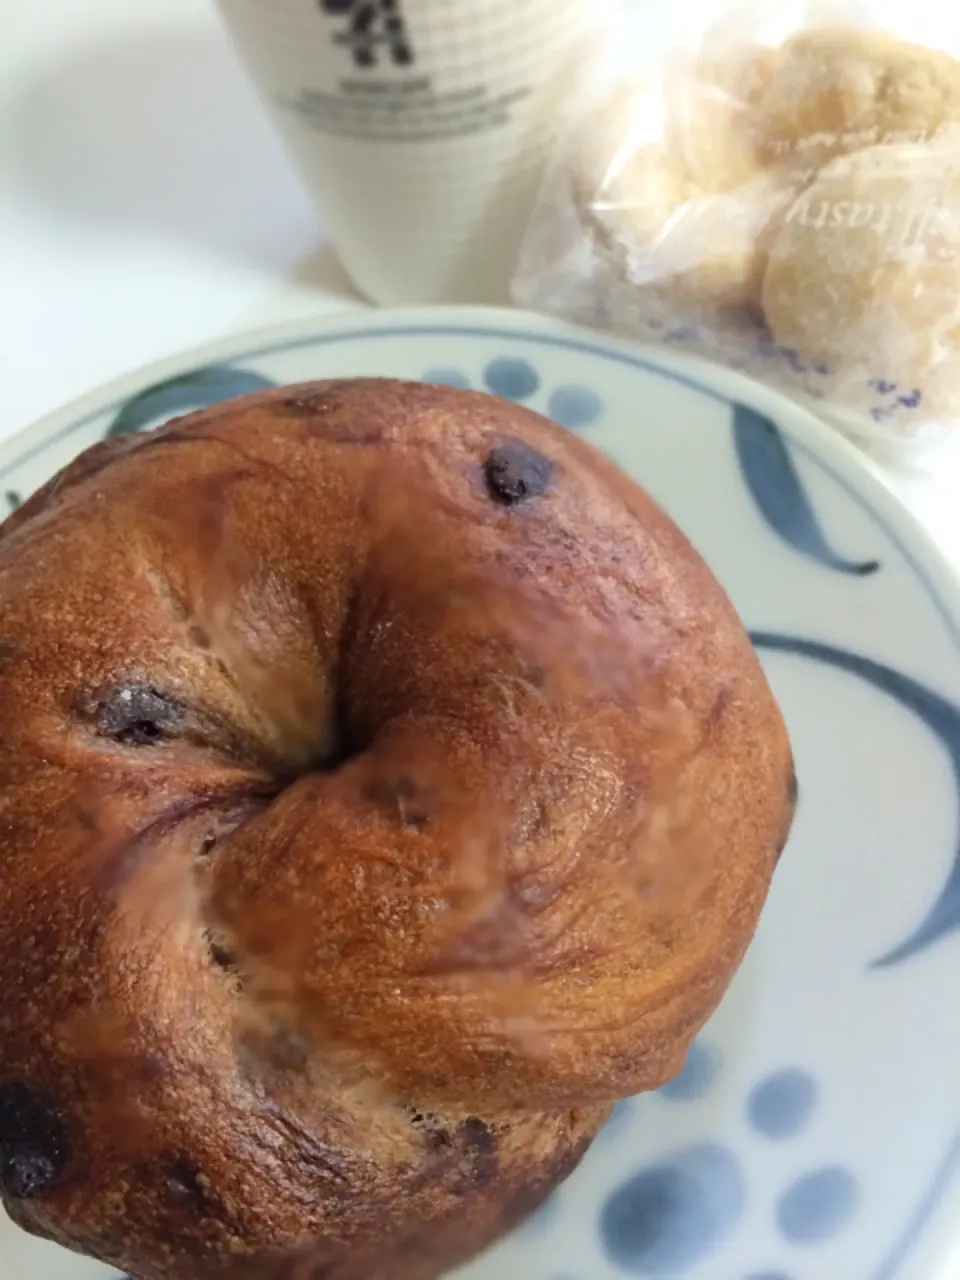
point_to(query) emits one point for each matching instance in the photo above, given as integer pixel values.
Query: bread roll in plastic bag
(779, 193)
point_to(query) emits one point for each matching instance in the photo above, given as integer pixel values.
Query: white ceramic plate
(815, 1132)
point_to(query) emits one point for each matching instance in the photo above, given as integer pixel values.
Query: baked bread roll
(386, 788)
(863, 276)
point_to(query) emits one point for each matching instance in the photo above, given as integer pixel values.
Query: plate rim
(862, 478)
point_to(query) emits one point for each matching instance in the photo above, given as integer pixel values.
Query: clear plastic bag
(779, 193)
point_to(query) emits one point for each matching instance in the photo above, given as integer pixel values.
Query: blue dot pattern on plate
(818, 1205)
(699, 1073)
(574, 407)
(444, 377)
(781, 1104)
(513, 379)
(668, 1217)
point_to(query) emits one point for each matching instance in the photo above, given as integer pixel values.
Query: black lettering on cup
(372, 26)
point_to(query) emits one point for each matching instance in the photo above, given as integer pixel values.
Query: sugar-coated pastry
(863, 275)
(836, 90)
(671, 182)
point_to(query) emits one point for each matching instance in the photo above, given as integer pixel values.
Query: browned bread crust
(386, 787)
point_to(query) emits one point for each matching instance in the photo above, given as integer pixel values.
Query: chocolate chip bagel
(386, 787)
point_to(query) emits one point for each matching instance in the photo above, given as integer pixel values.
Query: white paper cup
(421, 127)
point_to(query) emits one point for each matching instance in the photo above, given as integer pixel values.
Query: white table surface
(146, 206)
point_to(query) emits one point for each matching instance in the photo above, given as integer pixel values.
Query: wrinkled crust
(387, 788)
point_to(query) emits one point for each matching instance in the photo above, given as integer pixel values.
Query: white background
(145, 205)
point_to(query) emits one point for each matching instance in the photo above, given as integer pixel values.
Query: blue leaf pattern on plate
(933, 1195)
(939, 715)
(12, 499)
(778, 491)
(194, 390)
